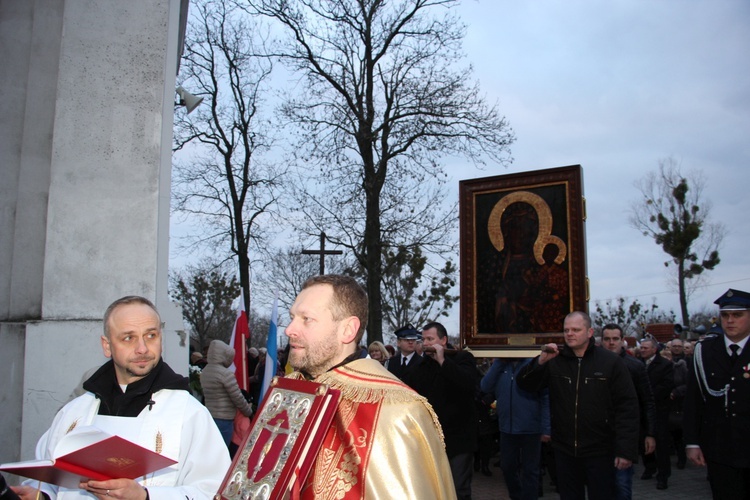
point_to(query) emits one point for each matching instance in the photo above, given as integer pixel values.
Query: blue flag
(272, 358)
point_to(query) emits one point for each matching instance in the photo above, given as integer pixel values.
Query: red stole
(339, 471)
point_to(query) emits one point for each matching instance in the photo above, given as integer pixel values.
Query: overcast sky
(616, 86)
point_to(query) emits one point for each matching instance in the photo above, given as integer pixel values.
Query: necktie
(734, 348)
(403, 361)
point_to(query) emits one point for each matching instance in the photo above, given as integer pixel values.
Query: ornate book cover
(287, 432)
(90, 453)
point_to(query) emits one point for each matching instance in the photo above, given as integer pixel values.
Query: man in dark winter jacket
(612, 340)
(594, 407)
(449, 383)
(661, 375)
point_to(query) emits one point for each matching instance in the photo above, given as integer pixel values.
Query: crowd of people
(418, 419)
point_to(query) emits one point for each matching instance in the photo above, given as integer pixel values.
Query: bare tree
(384, 99)
(286, 270)
(259, 324)
(674, 213)
(221, 179)
(415, 291)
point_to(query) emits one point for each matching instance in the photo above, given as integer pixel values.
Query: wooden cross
(322, 252)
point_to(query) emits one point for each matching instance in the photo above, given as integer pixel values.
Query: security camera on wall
(188, 100)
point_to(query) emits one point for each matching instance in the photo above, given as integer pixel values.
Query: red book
(90, 453)
(286, 435)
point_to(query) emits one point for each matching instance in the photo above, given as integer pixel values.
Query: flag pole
(271, 348)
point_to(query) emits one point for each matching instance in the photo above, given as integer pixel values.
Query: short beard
(319, 357)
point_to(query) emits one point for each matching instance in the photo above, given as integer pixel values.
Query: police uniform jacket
(593, 402)
(717, 404)
(404, 373)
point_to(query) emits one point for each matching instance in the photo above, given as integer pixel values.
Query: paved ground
(689, 483)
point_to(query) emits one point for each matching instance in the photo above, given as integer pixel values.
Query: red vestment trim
(341, 466)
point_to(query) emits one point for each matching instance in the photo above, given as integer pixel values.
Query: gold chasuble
(385, 441)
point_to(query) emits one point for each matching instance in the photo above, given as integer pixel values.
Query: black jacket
(450, 389)
(680, 386)
(404, 373)
(661, 375)
(593, 402)
(718, 421)
(643, 390)
(103, 383)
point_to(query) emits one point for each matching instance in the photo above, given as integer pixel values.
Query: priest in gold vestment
(385, 441)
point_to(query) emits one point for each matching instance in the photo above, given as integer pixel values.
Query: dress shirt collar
(741, 343)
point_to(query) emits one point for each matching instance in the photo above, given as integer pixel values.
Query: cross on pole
(322, 252)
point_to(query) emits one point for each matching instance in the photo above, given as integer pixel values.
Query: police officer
(717, 403)
(406, 361)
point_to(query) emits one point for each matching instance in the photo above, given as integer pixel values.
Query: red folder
(90, 453)
(286, 435)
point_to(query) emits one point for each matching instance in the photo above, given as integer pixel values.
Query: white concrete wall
(30, 38)
(103, 200)
(85, 154)
(50, 378)
(12, 337)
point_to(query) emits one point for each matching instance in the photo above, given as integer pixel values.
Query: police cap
(733, 300)
(408, 332)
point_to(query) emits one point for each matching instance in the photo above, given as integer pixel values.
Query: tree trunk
(243, 260)
(683, 295)
(373, 261)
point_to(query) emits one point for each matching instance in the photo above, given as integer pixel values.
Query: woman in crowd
(220, 389)
(378, 352)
